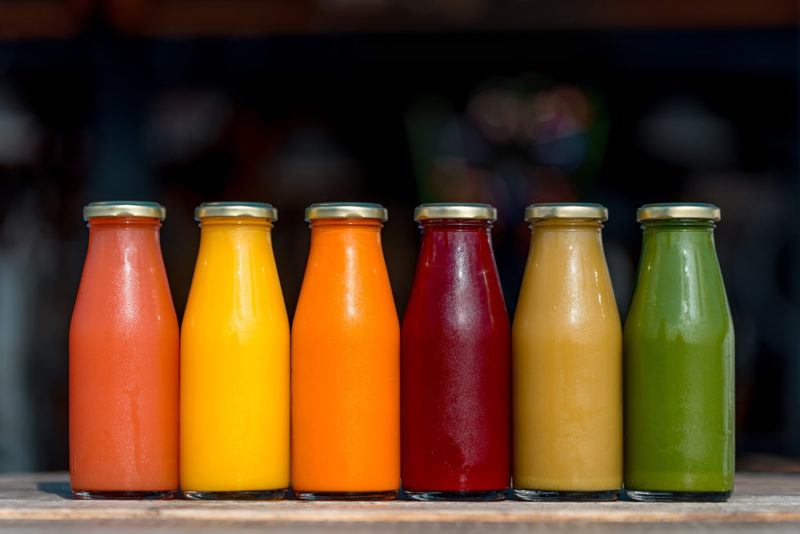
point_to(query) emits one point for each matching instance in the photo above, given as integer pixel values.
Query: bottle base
(90, 495)
(467, 496)
(677, 496)
(346, 495)
(561, 496)
(258, 495)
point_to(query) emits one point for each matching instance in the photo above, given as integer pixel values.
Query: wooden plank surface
(42, 502)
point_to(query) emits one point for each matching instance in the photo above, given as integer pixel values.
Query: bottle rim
(259, 210)
(455, 210)
(124, 208)
(346, 210)
(566, 210)
(700, 211)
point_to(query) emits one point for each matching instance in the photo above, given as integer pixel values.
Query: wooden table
(31, 503)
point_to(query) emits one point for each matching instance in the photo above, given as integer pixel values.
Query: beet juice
(455, 392)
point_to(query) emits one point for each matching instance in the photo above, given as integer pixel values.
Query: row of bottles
(452, 393)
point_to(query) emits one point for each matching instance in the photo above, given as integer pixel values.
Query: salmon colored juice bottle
(456, 362)
(235, 360)
(123, 360)
(345, 361)
(567, 354)
(679, 362)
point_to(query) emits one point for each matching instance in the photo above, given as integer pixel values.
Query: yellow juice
(234, 362)
(567, 358)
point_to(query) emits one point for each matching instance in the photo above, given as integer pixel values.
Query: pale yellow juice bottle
(234, 428)
(567, 361)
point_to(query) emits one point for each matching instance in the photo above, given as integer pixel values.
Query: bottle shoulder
(678, 317)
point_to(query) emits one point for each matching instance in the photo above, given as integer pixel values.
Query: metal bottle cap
(455, 210)
(124, 208)
(679, 210)
(346, 210)
(566, 210)
(260, 210)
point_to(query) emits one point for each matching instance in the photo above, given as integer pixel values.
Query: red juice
(455, 388)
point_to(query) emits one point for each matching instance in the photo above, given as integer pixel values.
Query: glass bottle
(679, 362)
(235, 360)
(346, 361)
(123, 360)
(456, 361)
(567, 360)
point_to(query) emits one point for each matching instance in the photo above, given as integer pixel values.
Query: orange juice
(567, 361)
(235, 360)
(123, 360)
(345, 361)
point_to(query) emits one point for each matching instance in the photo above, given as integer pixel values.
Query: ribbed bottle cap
(124, 208)
(679, 210)
(566, 210)
(455, 210)
(260, 210)
(346, 210)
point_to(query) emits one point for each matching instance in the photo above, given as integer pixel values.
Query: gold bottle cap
(124, 208)
(679, 210)
(455, 210)
(260, 210)
(346, 210)
(566, 210)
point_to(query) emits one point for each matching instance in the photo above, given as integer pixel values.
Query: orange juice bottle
(235, 360)
(123, 360)
(346, 361)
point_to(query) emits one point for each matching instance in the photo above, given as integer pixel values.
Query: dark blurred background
(399, 102)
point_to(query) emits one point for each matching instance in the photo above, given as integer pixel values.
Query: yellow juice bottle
(234, 435)
(567, 361)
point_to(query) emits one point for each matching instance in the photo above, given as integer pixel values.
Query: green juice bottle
(679, 362)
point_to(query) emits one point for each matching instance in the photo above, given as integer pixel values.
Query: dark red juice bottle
(455, 387)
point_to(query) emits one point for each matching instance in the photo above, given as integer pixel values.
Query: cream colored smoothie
(567, 361)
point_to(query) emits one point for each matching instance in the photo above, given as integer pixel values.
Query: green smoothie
(679, 365)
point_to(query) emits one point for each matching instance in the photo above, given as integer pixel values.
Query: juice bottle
(235, 360)
(679, 362)
(567, 360)
(345, 361)
(456, 361)
(123, 360)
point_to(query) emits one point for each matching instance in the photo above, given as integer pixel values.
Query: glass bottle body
(123, 350)
(456, 368)
(235, 367)
(345, 368)
(679, 369)
(567, 358)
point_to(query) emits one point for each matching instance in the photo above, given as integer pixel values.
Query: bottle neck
(141, 229)
(443, 238)
(679, 263)
(571, 234)
(117, 241)
(364, 231)
(233, 224)
(685, 234)
(225, 238)
(570, 225)
(344, 247)
(461, 244)
(678, 246)
(466, 228)
(455, 225)
(123, 223)
(345, 224)
(678, 225)
(456, 256)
